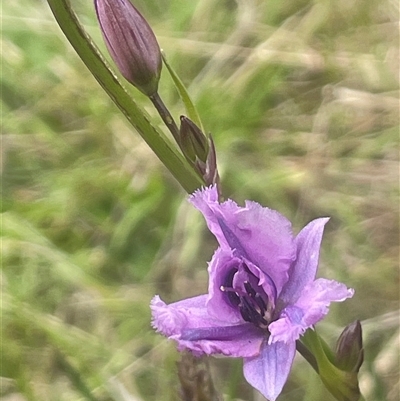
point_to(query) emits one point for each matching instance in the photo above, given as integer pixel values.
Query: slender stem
(166, 116)
(307, 355)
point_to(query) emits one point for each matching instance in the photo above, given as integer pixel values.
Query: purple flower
(262, 292)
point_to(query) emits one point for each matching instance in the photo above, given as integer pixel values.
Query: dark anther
(260, 302)
(245, 315)
(252, 302)
(252, 307)
(247, 311)
(249, 289)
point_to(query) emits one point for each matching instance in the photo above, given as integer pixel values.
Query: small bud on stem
(349, 348)
(199, 151)
(131, 43)
(194, 142)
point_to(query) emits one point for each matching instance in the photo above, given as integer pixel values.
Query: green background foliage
(301, 98)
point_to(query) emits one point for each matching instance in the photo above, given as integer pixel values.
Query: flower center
(243, 292)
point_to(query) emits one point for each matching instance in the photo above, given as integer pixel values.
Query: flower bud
(194, 143)
(209, 170)
(199, 150)
(211, 175)
(341, 383)
(349, 348)
(131, 43)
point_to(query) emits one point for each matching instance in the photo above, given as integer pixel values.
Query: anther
(249, 289)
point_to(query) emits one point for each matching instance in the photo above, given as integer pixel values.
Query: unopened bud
(211, 176)
(193, 142)
(349, 348)
(131, 43)
(209, 170)
(199, 150)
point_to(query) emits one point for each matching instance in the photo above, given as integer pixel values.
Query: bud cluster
(134, 49)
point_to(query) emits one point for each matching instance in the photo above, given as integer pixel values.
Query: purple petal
(189, 323)
(268, 372)
(172, 319)
(218, 333)
(317, 296)
(309, 309)
(261, 235)
(221, 264)
(206, 200)
(289, 327)
(303, 272)
(265, 282)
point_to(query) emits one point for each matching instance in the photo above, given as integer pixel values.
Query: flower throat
(244, 293)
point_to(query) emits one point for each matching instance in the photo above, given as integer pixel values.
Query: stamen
(253, 307)
(231, 293)
(246, 310)
(250, 290)
(260, 302)
(250, 298)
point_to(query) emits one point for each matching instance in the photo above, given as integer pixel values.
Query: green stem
(98, 66)
(307, 355)
(166, 116)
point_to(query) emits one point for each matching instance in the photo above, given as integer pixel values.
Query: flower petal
(261, 235)
(206, 200)
(303, 272)
(264, 281)
(309, 309)
(289, 327)
(219, 267)
(317, 296)
(189, 323)
(268, 372)
(170, 319)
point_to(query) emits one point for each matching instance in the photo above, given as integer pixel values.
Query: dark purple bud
(211, 176)
(349, 348)
(199, 150)
(209, 170)
(131, 43)
(194, 143)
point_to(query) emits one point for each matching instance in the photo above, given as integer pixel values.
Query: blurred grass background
(301, 97)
